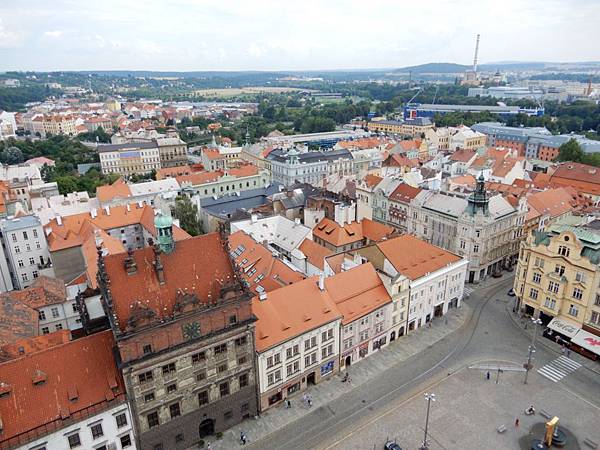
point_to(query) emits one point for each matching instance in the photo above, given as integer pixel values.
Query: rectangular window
(149, 396)
(25, 235)
(74, 440)
(220, 349)
(203, 398)
(224, 389)
(573, 310)
(580, 276)
(243, 379)
(145, 377)
(147, 349)
(174, 410)
(152, 419)
(550, 303)
(533, 293)
(560, 270)
(171, 388)
(198, 357)
(222, 368)
(121, 420)
(42, 314)
(595, 318)
(537, 278)
(125, 441)
(553, 287)
(577, 294)
(597, 301)
(168, 368)
(97, 431)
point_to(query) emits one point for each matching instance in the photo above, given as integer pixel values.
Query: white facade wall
(118, 162)
(113, 436)
(365, 335)
(438, 288)
(25, 246)
(61, 316)
(267, 374)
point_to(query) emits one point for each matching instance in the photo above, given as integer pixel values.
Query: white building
(130, 158)
(8, 125)
(298, 164)
(71, 395)
(54, 206)
(281, 234)
(25, 249)
(297, 339)
(366, 309)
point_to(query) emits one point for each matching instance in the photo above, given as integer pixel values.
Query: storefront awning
(588, 341)
(563, 327)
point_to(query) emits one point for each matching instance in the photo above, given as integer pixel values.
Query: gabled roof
(415, 258)
(404, 193)
(259, 268)
(292, 311)
(34, 344)
(357, 292)
(198, 265)
(66, 381)
(462, 155)
(552, 202)
(371, 180)
(119, 189)
(315, 253)
(45, 291)
(337, 235)
(19, 321)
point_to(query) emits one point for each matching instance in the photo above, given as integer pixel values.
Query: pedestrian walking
(208, 446)
(305, 398)
(568, 352)
(309, 402)
(243, 438)
(487, 376)
(563, 350)
(288, 404)
(517, 422)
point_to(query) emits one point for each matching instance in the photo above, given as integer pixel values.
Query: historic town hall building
(185, 335)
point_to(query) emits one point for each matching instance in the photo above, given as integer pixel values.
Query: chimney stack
(262, 296)
(322, 282)
(129, 263)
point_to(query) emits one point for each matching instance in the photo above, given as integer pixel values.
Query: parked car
(511, 292)
(391, 445)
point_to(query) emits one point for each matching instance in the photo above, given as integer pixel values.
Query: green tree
(66, 184)
(187, 214)
(571, 151)
(12, 155)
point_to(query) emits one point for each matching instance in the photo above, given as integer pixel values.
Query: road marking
(559, 368)
(467, 291)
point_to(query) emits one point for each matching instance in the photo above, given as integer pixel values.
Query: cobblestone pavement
(361, 373)
(468, 411)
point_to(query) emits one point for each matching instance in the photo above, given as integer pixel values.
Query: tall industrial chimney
(476, 53)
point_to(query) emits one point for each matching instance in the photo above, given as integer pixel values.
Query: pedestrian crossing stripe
(559, 368)
(468, 291)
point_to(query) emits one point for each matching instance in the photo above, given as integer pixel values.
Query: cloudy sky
(293, 34)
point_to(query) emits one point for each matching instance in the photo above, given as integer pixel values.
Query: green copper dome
(164, 232)
(163, 221)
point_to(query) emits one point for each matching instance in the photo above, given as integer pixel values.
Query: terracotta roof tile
(85, 366)
(291, 311)
(337, 235)
(372, 180)
(119, 189)
(315, 253)
(376, 231)
(198, 265)
(552, 202)
(19, 321)
(357, 292)
(256, 261)
(462, 155)
(34, 344)
(404, 193)
(415, 258)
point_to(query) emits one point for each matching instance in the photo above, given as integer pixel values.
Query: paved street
(378, 403)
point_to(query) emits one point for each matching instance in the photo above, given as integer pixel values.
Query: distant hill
(434, 68)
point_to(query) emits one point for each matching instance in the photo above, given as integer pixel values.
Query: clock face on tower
(191, 330)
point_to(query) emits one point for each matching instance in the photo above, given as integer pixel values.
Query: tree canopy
(187, 214)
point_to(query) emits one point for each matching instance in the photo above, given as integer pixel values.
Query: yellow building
(411, 127)
(56, 125)
(557, 280)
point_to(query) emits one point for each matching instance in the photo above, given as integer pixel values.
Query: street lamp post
(535, 322)
(430, 398)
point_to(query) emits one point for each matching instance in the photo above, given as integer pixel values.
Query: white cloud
(309, 34)
(54, 33)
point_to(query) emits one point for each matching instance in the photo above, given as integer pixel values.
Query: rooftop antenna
(476, 53)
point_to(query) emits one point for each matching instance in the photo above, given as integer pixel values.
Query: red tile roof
(337, 235)
(19, 321)
(357, 292)
(198, 265)
(72, 379)
(415, 258)
(291, 311)
(552, 202)
(34, 344)
(259, 260)
(372, 180)
(404, 193)
(582, 177)
(462, 155)
(119, 189)
(315, 253)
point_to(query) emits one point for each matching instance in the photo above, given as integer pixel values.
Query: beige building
(557, 280)
(172, 151)
(59, 125)
(129, 159)
(410, 127)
